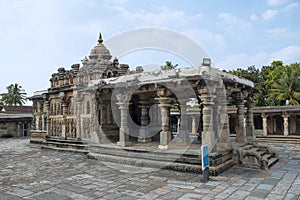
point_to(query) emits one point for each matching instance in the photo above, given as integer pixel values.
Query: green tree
(15, 95)
(251, 73)
(276, 83)
(168, 65)
(283, 83)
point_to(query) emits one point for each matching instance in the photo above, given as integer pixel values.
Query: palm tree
(168, 65)
(284, 84)
(15, 95)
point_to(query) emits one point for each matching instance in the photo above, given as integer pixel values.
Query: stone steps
(280, 138)
(140, 162)
(261, 152)
(272, 161)
(169, 156)
(83, 151)
(172, 159)
(257, 156)
(65, 145)
(266, 156)
(175, 158)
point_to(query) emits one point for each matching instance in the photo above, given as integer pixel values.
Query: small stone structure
(15, 121)
(103, 102)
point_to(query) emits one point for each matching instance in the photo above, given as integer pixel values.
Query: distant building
(15, 121)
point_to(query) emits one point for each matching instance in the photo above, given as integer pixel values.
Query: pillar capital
(206, 90)
(123, 105)
(164, 92)
(144, 104)
(164, 101)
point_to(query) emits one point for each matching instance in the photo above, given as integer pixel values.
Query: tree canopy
(15, 95)
(277, 83)
(168, 65)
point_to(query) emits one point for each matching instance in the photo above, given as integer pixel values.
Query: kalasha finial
(100, 38)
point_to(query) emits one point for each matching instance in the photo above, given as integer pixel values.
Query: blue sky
(37, 37)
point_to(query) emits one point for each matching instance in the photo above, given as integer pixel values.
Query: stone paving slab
(27, 172)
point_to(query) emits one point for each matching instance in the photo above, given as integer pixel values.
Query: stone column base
(238, 144)
(144, 135)
(38, 136)
(144, 140)
(123, 144)
(165, 137)
(223, 145)
(163, 147)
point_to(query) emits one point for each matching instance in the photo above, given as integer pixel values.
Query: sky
(37, 37)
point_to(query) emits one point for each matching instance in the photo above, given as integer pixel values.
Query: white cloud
(287, 55)
(234, 26)
(165, 17)
(253, 17)
(280, 33)
(242, 60)
(209, 41)
(269, 14)
(290, 7)
(276, 2)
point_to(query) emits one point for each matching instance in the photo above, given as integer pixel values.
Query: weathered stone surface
(27, 172)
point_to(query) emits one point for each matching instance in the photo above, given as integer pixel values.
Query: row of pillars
(285, 124)
(214, 114)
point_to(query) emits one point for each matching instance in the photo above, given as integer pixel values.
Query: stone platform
(177, 157)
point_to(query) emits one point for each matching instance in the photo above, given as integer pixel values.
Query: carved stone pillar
(78, 119)
(183, 136)
(293, 124)
(48, 130)
(165, 104)
(102, 113)
(144, 130)
(265, 124)
(223, 118)
(124, 131)
(249, 121)
(18, 129)
(64, 112)
(194, 126)
(285, 124)
(208, 136)
(178, 124)
(240, 129)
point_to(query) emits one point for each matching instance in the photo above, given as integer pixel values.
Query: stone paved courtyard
(27, 172)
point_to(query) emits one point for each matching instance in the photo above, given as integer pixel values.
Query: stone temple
(155, 119)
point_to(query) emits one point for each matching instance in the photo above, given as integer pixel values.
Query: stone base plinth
(163, 147)
(144, 140)
(124, 144)
(223, 146)
(38, 136)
